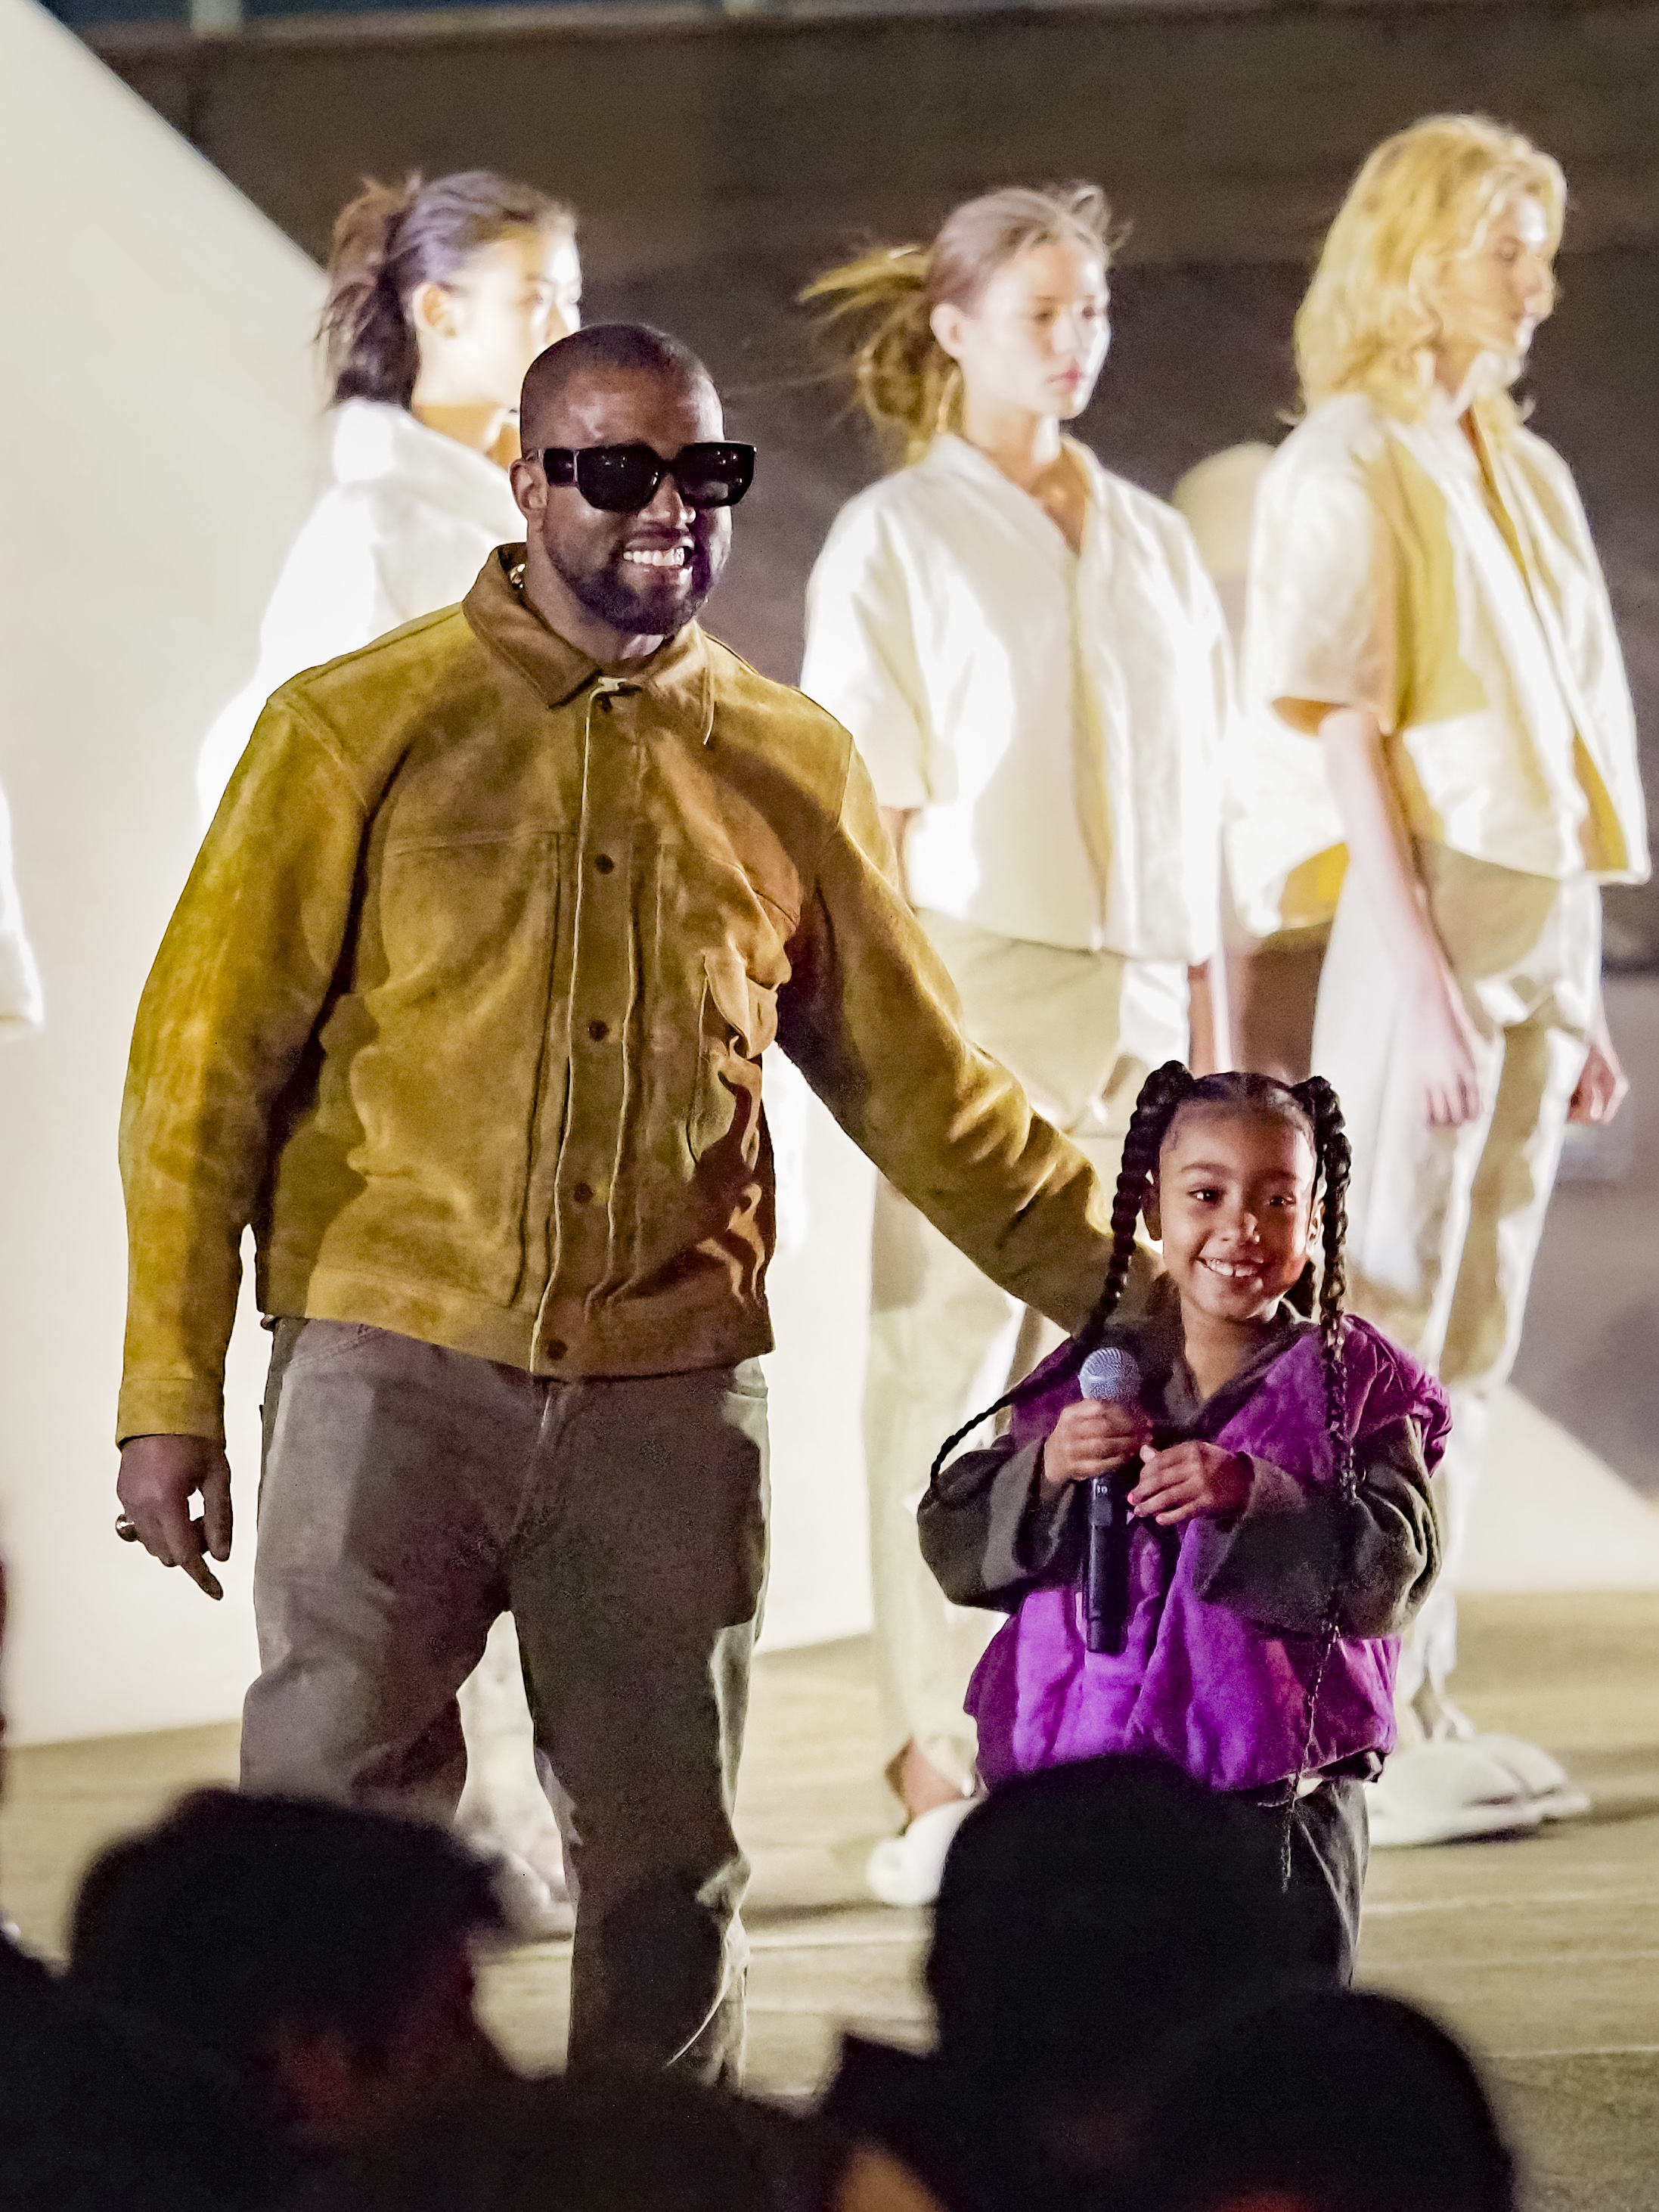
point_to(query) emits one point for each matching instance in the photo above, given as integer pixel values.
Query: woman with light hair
(1037, 671)
(1430, 649)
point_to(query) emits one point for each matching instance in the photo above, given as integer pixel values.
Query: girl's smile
(1233, 1207)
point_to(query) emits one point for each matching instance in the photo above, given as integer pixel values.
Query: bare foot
(922, 1786)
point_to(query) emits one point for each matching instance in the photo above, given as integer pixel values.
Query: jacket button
(604, 864)
(599, 1031)
(582, 1193)
(557, 1349)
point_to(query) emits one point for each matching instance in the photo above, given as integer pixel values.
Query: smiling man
(462, 1009)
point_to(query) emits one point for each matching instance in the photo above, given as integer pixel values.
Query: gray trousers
(1330, 1849)
(409, 1496)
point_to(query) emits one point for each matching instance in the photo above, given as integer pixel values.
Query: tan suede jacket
(463, 1007)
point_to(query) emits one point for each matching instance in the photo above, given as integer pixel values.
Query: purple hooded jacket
(1224, 1698)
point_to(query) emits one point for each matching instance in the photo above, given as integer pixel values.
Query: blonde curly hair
(1371, 322)
(879, 306)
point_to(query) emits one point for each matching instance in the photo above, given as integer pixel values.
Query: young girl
(1282, 1532)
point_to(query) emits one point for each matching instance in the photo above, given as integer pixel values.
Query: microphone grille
(1112, 1373)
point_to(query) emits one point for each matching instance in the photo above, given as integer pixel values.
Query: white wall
(158, 449)
(156, 453)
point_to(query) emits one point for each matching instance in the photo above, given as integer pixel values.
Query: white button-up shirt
(1054, 719)
(1466, 608)
(403, 529)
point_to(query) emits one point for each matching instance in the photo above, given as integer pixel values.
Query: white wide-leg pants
(1444, 1224)
(1081, 1030)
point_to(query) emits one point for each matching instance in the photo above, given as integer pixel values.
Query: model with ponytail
(1276, 1462)
(1036, 669)
(439, 296)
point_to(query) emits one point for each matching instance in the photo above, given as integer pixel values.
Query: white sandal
(907, 1870)
(1543, 1780)
(1447, 1792)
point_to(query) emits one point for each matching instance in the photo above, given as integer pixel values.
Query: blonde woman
(1429, 638)
(1036, 669)
(440, 297)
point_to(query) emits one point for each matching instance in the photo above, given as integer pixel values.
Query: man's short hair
(239, 1917)
(624, 349)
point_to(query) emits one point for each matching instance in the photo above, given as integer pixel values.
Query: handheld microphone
(1114, 1375)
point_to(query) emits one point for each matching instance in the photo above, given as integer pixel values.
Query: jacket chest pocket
(737, 1019)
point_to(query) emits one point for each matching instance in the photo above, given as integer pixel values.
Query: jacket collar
(375, 443)
(676, 678)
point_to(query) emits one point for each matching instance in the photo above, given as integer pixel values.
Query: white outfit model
(1450, 588)
(22, 1005)
(1052, 720)
(402, 528)
(405, 523)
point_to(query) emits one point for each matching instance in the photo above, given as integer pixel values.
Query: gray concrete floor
(1541, 1951)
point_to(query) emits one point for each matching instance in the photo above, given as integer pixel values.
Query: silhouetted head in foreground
(319, 1958)
(629, 2143)
(1324, 2102)
(1089, 1911)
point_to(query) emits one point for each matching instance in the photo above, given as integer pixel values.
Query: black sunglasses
(621, 479)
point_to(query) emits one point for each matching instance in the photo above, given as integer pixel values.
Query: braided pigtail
(1165, 1090)
(1333, 1158)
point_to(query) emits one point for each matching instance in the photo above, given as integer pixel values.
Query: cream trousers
(1444, 1223)
(1081, 1030)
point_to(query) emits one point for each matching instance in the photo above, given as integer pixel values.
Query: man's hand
(1187, 1479)
(1446, 1044)
(1602, 1086)
(1090, 1436)
(159, 1477)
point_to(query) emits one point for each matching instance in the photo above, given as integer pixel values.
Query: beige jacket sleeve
(232, 1002)
(871, 1019)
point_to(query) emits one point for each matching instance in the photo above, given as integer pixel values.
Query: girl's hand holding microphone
(1091, 1436)
(1174, 1486)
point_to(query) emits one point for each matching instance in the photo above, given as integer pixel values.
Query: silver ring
(126, 1529)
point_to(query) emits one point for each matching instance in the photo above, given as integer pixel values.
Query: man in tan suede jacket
(462, 1009)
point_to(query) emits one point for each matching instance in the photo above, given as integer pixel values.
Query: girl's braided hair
(1314, 1107)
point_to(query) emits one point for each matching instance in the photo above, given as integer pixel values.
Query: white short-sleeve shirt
(1054, 720)
(1465, 607)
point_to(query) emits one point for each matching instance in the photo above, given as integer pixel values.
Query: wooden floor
(1544, 1952)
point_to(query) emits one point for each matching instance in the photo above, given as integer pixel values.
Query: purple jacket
(1224, 1698)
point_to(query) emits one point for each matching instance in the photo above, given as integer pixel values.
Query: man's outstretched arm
(872, 1019)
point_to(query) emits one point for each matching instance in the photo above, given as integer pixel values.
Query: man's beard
(610, 594)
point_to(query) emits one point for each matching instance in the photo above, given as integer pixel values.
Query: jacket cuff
(160, 1407)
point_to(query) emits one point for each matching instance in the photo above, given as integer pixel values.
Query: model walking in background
(1425, 603)
(1035, 667)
